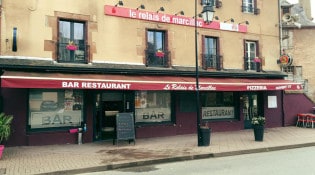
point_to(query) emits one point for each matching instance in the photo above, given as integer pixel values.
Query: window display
(55, 108)
(152, 106)
(218, 105)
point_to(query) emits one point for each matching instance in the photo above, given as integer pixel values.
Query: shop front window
(55, 108)
(152, 107)
(218, 105)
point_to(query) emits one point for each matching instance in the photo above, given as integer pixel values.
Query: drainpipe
(280, 42)
(280, 26)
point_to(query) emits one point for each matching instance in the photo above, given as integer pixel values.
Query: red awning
(140, 82)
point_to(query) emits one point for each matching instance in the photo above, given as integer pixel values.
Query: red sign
(171, 19)
(124, 82)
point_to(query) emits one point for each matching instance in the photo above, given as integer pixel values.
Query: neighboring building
(297, 29)
(69, 63)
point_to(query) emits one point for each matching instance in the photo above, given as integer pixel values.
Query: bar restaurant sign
(209, 113)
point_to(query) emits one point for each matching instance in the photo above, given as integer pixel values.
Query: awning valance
(11, 79)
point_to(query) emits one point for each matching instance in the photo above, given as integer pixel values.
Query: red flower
(257, 60)
(159, 54)
(71, 46)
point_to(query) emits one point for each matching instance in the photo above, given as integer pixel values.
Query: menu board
(125, 129)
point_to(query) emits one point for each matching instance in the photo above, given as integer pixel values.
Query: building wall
(303, 51)
(301, 103)
(120, 40)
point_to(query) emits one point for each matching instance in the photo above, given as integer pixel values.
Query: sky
(312, 5)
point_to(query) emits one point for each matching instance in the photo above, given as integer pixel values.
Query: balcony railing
(79, 53)
(210, 61)
(160, 58)
(252, 64)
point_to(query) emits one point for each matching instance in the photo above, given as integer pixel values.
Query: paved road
(284, 162)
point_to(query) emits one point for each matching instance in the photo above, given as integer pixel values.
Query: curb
(175, 159)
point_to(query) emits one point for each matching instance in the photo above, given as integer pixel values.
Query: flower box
(159, 54)
(71, 47)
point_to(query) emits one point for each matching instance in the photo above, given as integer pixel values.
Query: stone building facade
(77, 66)
(296, 42)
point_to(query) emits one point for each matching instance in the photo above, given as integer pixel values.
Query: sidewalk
(98, 156)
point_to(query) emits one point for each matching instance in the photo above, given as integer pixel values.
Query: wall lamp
(207, 14)
(141, 7)
(244, 22)
(119, 3)
(180, 13)
(231, 19)
(160, 9)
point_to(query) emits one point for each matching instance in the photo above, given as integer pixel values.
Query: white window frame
(250, 53)
(250, 6)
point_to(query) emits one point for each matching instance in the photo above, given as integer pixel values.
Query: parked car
(49, 106)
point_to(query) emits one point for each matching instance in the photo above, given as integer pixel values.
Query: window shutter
(219, 57)
(245, 56)
(257, 49)
(203, 61)
(256, 10)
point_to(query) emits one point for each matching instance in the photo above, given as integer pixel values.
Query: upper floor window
(216, 3)
(156, 53)
(250, 6)
(71, 44)
(211, 57)
(285, 10)
(251, 55)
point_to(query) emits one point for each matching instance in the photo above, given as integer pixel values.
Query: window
(211, 57)
(152, 107)
(216, 3)
(208, 2)
(156, 53)
(251, 50)
(288, 69)
(249, 6)
(218, 105)
(55, 108)
(71, 45)
(285, 10)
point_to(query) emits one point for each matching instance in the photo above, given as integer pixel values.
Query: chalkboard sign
(125, 129)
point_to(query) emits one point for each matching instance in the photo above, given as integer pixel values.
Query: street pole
(197, 77)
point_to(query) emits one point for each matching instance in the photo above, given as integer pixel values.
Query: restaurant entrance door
(252, 106)
(108, 105)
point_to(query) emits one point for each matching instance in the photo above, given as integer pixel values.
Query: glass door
(250, 108)
(107, 105)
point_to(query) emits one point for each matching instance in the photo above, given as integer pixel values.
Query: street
(286, 162)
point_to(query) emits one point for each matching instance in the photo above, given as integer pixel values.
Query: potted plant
(5, 129)
(258, 126)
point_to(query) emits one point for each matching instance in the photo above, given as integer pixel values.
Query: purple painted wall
(294, 104)
(274, 116)
(14, 101)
